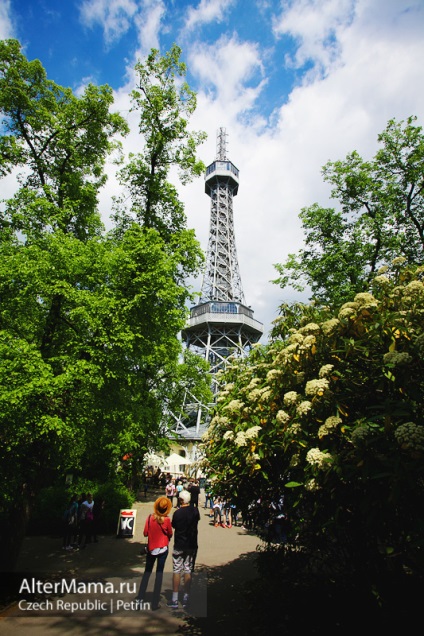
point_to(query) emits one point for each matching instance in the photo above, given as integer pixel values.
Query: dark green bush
(51, 502)
(110, 498)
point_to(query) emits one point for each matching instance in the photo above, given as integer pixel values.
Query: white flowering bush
(336, 423)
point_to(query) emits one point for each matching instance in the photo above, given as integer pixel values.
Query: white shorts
(183, 560)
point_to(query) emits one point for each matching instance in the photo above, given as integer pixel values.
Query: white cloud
(378, 76)
(6, 25)
(315, 25)
(113, 15)
(149, 23)
(207, 11)
(230, 70)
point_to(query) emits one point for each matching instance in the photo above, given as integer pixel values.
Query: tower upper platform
(221, 173)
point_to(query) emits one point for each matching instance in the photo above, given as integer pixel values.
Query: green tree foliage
(89, 320)
(330, 415)
(380, 216)
(164, 102)
(60, 140)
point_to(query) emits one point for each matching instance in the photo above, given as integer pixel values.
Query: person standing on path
(70, 521)
(86, 521)
(184, 522)
(158, 529)
(194, 490)
(178, 489)
(170, 490)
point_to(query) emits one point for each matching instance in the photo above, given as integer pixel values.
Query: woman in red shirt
(158, 530)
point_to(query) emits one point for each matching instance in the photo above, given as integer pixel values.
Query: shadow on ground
(228, 599)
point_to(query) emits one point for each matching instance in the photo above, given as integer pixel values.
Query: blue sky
(294, 82)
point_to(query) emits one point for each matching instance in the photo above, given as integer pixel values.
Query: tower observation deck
(221, 325)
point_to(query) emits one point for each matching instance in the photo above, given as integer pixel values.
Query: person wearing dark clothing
(70, 521)
(194, 492)
(278, 525)
(184, 522)
(86, 521)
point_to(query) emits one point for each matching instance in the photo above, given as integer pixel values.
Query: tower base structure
(219, 332)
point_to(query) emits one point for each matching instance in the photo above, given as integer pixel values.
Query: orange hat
(162, 506)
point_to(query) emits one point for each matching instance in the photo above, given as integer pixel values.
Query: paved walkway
(225, 562)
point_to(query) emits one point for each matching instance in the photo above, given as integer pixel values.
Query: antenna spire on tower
(221, 145)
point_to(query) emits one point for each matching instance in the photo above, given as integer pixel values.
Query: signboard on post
(126, 522)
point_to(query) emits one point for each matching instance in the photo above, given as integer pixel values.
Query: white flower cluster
(229, 435)
(381, 280)
(410, 436)
(296, 338)
(414, 290)
(235, 406)
(397, 358)
(291, 398)
(315, 457)
(325, 370)
(311, 328)
(241, 439)
(399, 260)
(366, 300)
(282, 417)
(262, 395)
(317, 387)
(252, 432)
(330, 424)
(253, 458)
(274, 374)
(294, 429)
(295, 460)
(360, 435)
(312, 485)
(266, 394)
(253, 383)
(329, 326)
(419, 343)
(299, 378)
(254, 395)
(304, 408)
(346, 312)
(218, 419)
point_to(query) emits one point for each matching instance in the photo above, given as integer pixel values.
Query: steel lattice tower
(221, 325)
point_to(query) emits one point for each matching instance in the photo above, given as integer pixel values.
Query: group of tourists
(173, 488)
(80, 522)
(266, 515)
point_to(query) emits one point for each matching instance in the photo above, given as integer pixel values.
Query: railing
(214, 307)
